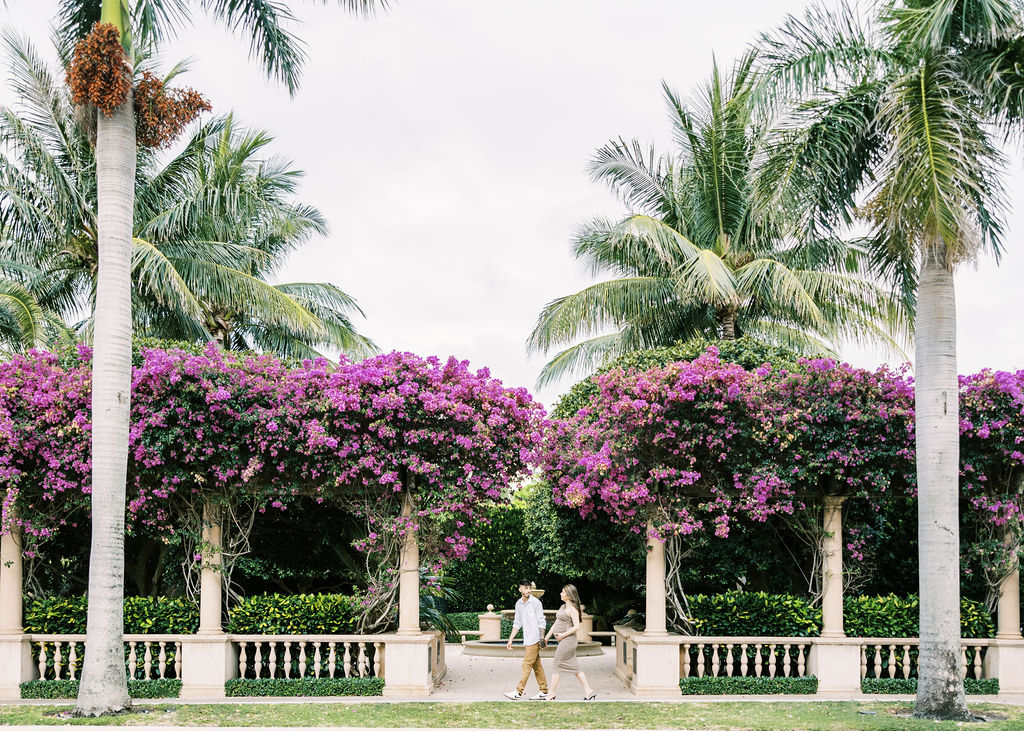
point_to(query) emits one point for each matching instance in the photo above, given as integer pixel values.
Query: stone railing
(410, 664)
(839, 663)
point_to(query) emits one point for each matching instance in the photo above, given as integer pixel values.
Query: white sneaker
(514, 695)
(539, 697)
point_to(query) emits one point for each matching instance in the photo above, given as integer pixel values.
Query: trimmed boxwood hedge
(300, 614)
(737, 685)
(142, 615)
(908, 686)
(161, 688)
(893, 616)
(464, 621)
(286, 687)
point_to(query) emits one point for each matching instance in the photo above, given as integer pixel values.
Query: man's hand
(509, 645)
(543, 642)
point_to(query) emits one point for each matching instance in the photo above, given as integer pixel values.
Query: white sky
(446, 142)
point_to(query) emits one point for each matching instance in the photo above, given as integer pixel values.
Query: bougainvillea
(161, 114)
(249, 429)
(99, 73)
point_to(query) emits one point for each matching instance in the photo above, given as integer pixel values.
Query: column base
(412, 664)
(16, 665)
(835, 661)
(1005, 660)
(207, 661)
(656, 666)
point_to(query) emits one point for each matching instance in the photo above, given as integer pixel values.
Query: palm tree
(901, 113)
(210, 225)
(702, 255)
(104, 688)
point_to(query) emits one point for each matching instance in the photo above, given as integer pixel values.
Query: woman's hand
(560, 635)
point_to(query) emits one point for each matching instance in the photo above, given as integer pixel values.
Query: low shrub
(465, 622)
(908, 686)
(142, 615)
(754, 614)
(53, 689)
(737, 685)
(893, 616)
(294, 687)
(300, 614)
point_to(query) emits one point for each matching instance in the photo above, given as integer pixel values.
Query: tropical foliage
(700, 254)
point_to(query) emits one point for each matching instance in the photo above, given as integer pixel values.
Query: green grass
(750, 715)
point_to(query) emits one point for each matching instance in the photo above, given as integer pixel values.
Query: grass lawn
(747, 715)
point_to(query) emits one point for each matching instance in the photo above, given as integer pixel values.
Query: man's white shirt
(530, 617)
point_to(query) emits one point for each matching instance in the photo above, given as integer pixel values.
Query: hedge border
(908, 686)
(746, 685)
(300, 687)
(54, 689)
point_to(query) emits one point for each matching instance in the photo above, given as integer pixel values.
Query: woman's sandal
(590, 697)
(551, 697)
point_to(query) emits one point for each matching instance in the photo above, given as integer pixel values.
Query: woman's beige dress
(565, 653)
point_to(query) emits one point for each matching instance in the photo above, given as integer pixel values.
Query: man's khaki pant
(531, 662)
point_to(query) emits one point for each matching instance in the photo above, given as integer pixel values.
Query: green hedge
(709, 685)
(465, 622)
(142, 615)
(312, 614)
(163, 688)
(908, 686)
(754, 614)
(284, 687)
(893, 616)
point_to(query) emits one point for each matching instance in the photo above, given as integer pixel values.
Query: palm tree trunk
(940, 689)
(727, 320)
(104, 687)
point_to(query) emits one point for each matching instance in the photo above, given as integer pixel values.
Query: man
(529, 616)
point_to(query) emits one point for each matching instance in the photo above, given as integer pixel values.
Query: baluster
(786, 660)
(878, 660)
(258, 660)
(977, 661)
(177, 659)
(700, 660)
(685, 657)
(42, 661)
(863, 662)
(56, 660)
(728, 659)
(377, 651)
(348, 659)
(743, 659)
(771, 661)
(905, 659)
(273, 659)
(73, 660)
(133, 660)
(892, 661)
(331, 659)
(241, 659)
(316, 659)
(287, 659)
(758, 659)
(801, 667)
(363, 665)
(162, 663)
(302, 659)
(714, 660)
(963, 661)
(148, 660)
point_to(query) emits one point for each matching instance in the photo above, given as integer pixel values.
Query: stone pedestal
(836, 663)
(490, 624)
(16, 666)
(1006, 661)
(586, 625)
(206, 662)
(409, 665)
(655, 666)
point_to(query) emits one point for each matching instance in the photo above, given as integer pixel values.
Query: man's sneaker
(514, 695)
(539, 697)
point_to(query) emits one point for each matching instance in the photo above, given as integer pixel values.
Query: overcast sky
(446, 142)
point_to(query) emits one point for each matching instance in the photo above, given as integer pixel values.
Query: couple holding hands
(530, 617)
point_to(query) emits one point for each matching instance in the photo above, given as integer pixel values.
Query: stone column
(490, 624)
(656, 624)
(211, 583)
(409, 578)
(832, 569)
(1008, 609)
(10, 582)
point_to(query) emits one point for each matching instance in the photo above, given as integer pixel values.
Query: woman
(565, 629)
